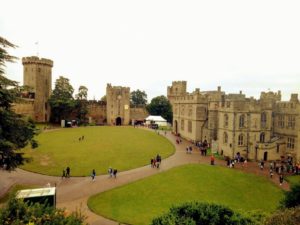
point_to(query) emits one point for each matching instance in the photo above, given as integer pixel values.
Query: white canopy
(155, 119)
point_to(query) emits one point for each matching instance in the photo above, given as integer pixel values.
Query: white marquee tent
(157, 120)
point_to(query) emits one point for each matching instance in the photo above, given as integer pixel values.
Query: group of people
(203, 146)
(189, 149)
(66, 173)
(81, 138)
(156, 161)
(112, 172)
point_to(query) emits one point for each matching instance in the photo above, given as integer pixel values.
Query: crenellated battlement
(37, 60)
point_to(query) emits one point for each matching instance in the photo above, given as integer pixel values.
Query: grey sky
(240, 45)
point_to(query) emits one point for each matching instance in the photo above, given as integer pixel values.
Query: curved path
(73, 193)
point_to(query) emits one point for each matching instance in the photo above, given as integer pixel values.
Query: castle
(267, 128)
(37, 75)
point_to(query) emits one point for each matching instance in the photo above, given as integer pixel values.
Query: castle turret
(37, 74)
(177, 89)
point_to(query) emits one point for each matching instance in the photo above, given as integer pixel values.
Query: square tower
(118, 105)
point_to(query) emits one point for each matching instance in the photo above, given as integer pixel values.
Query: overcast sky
(252, 45)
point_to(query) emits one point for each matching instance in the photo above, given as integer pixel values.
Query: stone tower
(177, 89)
(37, 74)
(118, 105)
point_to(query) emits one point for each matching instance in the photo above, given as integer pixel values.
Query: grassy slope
(139, 202)
(295, 179)
(120, 147)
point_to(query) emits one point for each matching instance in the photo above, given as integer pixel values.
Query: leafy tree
(161, 106)
(103, 98)
(15, 131)
(289, 216)
(138, 98)
(61, 101)
(202, 213)
(17, 212)
(82, 93)
(292, 197)
(82, 104)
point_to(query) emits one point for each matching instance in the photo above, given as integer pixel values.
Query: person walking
(68, 172)
(63, 174)
(212, 160)
(93, 175)
(280, 179)
(110, 171)
(115, 173)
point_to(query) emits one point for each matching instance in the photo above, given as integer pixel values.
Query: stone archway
(118, 121)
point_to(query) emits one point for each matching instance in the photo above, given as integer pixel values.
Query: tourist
(115, 173)
(68, 171)
(151, 162)
(93, 175)
(110, 172)
(212, 160)
(63, 174)
(245, 162)
(280, 179)
(271, 173)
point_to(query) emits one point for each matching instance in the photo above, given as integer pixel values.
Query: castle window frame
(225, 138)
(281, 121)
(182, 125)
(241, 140)
(242, 121)
(290, 143)
(263, 119)
(291, 121)
(262, 137)
(190, 126)
(226, 120)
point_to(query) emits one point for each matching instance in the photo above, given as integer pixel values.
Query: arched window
(262, 137)
(263, 120)
(225, 120)
(241, 140)
(242, 121)
(225, 138)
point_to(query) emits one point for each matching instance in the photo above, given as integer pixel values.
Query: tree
(82, 93)
(103, 98)
(292, 197)
(161, 106)
(289, 216)
(61, 101)
(81, 104)
(202, 213)
(17, 212)
(15, 131)
(138, 98)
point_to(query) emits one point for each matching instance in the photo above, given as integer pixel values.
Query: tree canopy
(292, 197)
(202, 213)
(160, 106)
(61, 101)
(138, 98)
(81, 104)
(15, 131)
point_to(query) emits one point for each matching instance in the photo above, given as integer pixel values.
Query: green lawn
(123, 148)
(294, 179)
(139, 202)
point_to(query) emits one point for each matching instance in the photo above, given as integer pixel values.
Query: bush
(292, 197)
(287, 217)
(17, 212)
(204, 214)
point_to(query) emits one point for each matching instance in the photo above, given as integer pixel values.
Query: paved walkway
(73, 193)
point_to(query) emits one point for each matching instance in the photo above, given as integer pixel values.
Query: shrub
(202, 213)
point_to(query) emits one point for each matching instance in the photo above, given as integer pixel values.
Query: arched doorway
(118, 121)
(175, 126)
(265, 156)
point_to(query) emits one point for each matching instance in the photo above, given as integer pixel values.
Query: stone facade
(37, 75)
(267, 128)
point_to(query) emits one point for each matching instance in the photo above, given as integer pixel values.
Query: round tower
(37, 74)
